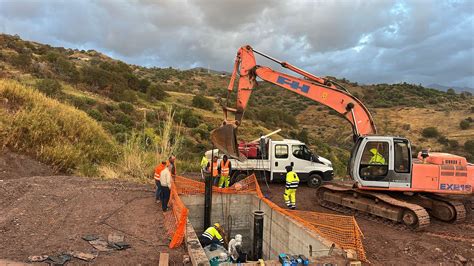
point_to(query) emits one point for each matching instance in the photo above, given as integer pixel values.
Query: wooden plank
(164, 259)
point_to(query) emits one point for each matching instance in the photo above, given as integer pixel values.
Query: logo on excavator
(456, 187)
(293, 84)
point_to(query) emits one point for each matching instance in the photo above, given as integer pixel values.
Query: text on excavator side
(293, 84)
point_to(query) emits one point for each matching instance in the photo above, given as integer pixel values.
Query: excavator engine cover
(225, 139)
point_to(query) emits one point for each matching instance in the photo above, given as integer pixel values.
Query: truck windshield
(301, 152)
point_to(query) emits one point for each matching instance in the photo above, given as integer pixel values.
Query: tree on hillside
(451, 92)
(202, 102)
(464, 124)
(50, 87)
(430, 132)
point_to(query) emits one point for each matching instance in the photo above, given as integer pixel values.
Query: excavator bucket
(225, 139)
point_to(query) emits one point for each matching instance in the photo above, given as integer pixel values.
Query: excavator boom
(310, 86)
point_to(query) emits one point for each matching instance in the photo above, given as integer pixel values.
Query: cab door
(372, 162)
(280, 160)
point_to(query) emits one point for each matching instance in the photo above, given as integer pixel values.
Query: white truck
(271, 163)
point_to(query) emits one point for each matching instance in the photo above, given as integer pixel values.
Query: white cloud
(416, 41)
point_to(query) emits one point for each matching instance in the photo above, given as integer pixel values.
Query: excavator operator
(377, 158)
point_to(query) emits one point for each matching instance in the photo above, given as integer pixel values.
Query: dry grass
(136, 161)
(55, 133)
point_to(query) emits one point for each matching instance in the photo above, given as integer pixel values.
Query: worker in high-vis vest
(377, 158)
(172, 161)
(224, 169)
(212, 235)
(292, 182)
(204, 162)
(157, 174)
(214, 169)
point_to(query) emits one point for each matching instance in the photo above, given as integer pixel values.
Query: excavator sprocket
(372, 204)
(446, 210)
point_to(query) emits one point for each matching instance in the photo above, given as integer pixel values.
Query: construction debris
(83, 256)
(58, 260)
(37, 258)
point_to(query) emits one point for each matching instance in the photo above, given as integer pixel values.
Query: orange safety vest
(225, 168)
(158, 170)
(215, 171)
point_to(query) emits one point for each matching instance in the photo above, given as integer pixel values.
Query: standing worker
(212, 235)
(292, 182)
(172, 161)
(215, 170)
(204, 162)
(165, 181)
(224, 169)
(158, 170)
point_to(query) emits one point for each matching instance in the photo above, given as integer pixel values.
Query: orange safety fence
(340, 229)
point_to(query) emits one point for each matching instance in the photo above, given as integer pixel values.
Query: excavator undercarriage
(411, 211)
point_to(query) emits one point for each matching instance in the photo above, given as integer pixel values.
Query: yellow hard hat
(217, 225)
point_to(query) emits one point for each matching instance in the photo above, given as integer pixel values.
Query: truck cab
(268, 159)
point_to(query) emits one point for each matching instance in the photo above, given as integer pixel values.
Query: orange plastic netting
(342, 230)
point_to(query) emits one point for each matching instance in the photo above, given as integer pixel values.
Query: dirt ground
(41, 213)
(440, 244)
(45, 214)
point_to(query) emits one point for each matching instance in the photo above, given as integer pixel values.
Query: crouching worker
(235, 249)
(212, 235)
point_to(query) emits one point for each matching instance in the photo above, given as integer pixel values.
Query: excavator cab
(380, 161)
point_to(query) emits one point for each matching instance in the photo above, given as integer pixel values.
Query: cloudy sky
(419, 41)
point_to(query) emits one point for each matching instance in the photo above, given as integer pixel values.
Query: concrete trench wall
(281, 234)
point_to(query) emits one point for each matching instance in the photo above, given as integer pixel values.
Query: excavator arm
(318, 89)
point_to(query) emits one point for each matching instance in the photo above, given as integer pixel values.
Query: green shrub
(453, 143)
(469, 146)
(464, 124)
(430, 132)
(443, 140)
(156, 92)
(187, 116)
(50, 87)
(124, 119)
(202, 102)
(55, 133)
(126, 107)
(95, 114)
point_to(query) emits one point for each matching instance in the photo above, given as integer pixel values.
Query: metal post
(208, 194)
(258, 234)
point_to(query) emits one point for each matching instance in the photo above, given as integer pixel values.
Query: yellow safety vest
(204, 161)
(292, 180)
(212, 233)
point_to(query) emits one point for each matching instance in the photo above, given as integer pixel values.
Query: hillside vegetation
(58, 134)
(131, 104)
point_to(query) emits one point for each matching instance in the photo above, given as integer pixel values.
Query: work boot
(293, 208)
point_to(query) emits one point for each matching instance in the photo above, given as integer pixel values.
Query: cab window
(301, 152)
(374, 162)
(281, 151)
(402, 156)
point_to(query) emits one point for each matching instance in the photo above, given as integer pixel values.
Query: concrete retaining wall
(281, 234)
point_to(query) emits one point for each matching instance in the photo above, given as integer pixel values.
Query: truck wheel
(315, 180)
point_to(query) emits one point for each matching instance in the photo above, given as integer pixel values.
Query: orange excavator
(388, 183)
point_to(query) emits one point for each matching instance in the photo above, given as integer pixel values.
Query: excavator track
(375, 206)
(456, 205)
